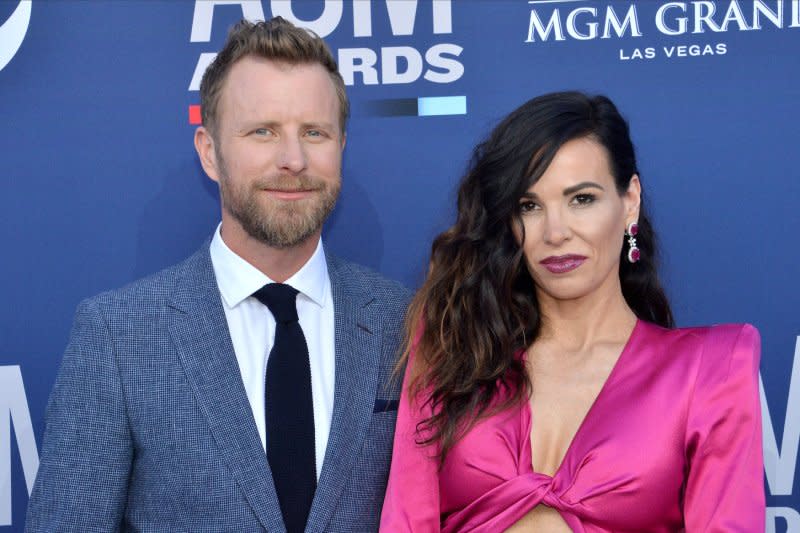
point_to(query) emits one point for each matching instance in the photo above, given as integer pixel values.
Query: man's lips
(560, 264)
(289, 194)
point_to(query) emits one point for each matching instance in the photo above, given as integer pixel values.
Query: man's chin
(285, 242)
(282, 235)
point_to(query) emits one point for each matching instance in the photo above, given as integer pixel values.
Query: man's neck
(278, 264)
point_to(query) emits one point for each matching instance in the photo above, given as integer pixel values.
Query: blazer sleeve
(725, 484)
(85, 463)
(412, 493)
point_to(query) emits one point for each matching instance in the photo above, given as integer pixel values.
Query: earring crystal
(634, 254)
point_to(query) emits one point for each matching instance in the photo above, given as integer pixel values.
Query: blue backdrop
(101, 184)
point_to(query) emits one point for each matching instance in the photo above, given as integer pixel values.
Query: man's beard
(278, 223)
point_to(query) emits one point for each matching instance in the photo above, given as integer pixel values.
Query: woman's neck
(577, 324)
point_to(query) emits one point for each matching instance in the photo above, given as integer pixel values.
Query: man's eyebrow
(253, 124)
(321, 125)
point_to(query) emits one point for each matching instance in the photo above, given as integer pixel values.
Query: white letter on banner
(442, 16)
(554, 25)
(780, 465)
(681, 20)
(795, 14)
(203, 62)
(402, 14)
(390, 70)
(363, 60)
(13, 30)
(573, 30)
(323, 26)
(204, 15)
(631, 19)
(437, 57)
(791, 516)
(775, 17)
(700, 17)
(362, 18)
(734, 14)
(14, 408)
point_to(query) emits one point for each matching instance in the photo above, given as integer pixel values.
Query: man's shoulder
(154, 289)
(367, 279)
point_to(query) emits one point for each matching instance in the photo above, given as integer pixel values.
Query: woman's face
(575, 221)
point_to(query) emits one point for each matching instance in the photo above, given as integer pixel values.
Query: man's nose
(292, 157)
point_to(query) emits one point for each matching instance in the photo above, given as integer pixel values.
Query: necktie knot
(281, 299)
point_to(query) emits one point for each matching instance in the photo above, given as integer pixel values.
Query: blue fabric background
(101, 184)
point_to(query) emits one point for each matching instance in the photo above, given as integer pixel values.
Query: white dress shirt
(252, 329)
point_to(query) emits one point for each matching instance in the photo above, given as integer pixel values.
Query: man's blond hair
(277, 40)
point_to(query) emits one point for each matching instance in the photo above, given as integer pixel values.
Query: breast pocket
(383, 405)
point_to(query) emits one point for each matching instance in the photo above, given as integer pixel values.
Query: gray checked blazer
(148, 427)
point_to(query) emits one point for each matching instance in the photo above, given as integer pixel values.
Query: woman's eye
(527, 206)
(584, 199)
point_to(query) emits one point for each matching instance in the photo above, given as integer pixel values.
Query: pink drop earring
(634, 254)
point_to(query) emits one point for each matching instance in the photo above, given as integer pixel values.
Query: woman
(545, 387)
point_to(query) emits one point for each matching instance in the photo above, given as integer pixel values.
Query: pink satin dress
(672, 443)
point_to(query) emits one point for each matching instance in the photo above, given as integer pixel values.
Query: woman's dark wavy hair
(478, 305)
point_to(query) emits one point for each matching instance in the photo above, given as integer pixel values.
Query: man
(247, 388)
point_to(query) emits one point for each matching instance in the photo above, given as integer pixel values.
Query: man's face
(277, 152)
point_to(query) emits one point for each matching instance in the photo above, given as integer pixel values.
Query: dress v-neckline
(611, 377)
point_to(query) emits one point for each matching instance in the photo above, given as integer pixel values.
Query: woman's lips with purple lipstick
(562, 263)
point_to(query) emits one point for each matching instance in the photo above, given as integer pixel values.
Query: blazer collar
(200, 333)
(358, 345)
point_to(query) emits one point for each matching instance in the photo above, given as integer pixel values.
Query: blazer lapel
(200, 333)
(357, 347)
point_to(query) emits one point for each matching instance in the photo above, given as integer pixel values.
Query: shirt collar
(237, 279)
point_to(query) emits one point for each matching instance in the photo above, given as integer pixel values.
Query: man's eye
(262, 131)
(314, 133)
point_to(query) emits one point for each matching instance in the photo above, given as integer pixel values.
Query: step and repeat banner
(101, 184)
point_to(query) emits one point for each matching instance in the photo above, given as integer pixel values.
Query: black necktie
(289, 409)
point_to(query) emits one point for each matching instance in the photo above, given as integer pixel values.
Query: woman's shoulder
(716, 332)
(711, 344)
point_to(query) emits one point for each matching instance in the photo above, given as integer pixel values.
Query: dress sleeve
(725, 484)
(412, 494)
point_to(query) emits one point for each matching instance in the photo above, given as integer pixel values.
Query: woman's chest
(625, 464)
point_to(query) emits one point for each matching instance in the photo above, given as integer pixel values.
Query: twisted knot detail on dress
(517, 495)
(289, 409)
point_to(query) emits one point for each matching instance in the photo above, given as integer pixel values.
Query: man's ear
(207, 151)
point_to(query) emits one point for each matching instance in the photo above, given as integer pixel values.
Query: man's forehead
(253, 77)
(255, 85)
(259, 70)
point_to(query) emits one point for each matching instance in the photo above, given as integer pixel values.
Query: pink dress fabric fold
(672, 443)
